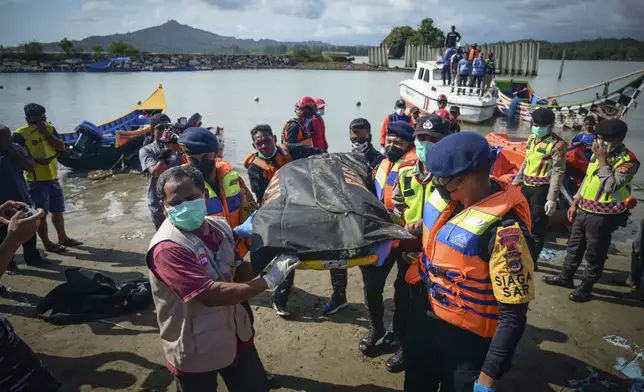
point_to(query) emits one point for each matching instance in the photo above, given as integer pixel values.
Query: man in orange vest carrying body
(477, 269)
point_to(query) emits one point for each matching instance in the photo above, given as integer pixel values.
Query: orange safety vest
(228, 206)
(474, 53)
(386, 176)
(303, 135)
(268, 168)
(457, 278)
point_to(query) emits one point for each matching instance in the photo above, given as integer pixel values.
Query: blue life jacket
(478, 68)
(459, 57)
(464, 67)
(447, 58)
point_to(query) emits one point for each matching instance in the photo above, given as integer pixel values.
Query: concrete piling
(379, 56)
(519, 58)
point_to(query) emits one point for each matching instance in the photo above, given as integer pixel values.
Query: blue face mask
(421, 150)
(320, 112)
(189, 215)
(540, 131)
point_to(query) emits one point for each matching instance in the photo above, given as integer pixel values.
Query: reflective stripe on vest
(457, 279)
(593, 197)
(415, 194)
(386, 177)
(538, 160)
(229, 185)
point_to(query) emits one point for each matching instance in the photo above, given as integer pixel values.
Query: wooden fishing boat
(516, 98)
(101, 147)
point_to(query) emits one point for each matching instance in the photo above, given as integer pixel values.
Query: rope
(594, 85)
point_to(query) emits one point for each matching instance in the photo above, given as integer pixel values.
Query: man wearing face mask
(296, 130)
(477, 269)
(399, 149)
(317, 126)
(397, 115)
(157, 157)
(261, 167)
(360, 137)
(542, 173)
(228, 196)
(586, 137)
(598, 208)
(198, 284)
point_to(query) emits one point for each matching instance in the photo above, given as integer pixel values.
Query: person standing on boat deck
(452, 38)
(296, 130)
(490, 72)
(477, 269)
(542, 173)
(13, 161)
(456, 58)
(157, 157)
(478, 72)
(198, 285)
(447, 61)
(464, 71)
(399, 149)
(317, 127)
(587, 136)
(598, 209)
(40, 139)
(398, 115)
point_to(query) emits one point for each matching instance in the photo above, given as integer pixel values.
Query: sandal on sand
(56, 248)
(71, 242)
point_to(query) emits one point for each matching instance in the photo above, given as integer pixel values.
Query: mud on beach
(563, 345)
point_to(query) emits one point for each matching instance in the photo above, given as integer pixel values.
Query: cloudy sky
(334, 21)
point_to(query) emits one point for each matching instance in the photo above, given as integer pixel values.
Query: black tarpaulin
(321, 208)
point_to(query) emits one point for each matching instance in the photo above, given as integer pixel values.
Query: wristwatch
(482, 388)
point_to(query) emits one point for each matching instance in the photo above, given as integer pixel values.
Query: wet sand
(311, 353)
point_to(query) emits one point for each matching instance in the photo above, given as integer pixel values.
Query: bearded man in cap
(598, 208)
(542, 173)
(157, 157)
(477, 269)
(399, 148)
(40, 139)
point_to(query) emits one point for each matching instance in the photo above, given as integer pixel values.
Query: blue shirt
(15, 187)
(586, 139)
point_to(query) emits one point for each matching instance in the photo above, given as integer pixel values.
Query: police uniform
(374, 278)
(601, 208)
(478, 273)
(542, 174)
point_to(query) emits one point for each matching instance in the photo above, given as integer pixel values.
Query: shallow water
(225, 98)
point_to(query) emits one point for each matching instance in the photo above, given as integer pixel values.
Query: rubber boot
(396, 363)
(368, 343)
(562, 280)
(583, 292)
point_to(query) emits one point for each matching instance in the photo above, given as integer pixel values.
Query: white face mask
(320, 112)
(400, 111)
(360, 147)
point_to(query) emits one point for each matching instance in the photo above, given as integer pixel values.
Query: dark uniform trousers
(637, 262)
(284, 289)
(29, 248)
(537, 197)
(439, 354)
(591, 235)
(374, 279)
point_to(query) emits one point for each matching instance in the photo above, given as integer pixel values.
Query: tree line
(34, 49)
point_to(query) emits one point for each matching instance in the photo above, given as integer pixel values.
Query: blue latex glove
(245, 230)
(480, 388)
(381, 249)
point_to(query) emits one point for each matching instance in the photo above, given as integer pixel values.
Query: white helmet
(458, 44)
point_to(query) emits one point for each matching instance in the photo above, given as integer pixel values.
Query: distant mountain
(174, 37)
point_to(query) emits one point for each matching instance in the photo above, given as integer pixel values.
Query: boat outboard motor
(89, 139)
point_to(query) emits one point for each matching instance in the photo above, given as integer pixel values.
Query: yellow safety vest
(593, 197)
(386, 177)
(415, 194)
(538, 160)
(37, 147)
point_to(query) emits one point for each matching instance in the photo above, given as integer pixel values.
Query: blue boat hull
(181, 69)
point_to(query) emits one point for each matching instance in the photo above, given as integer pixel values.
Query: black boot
(583, 292)
(368, 343)
(396, 363)
(562, 280)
